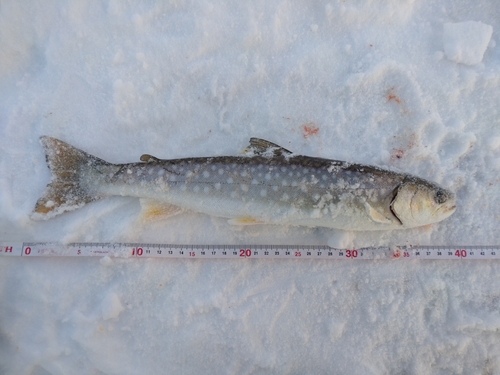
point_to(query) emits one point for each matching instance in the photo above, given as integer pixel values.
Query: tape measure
(145, 250)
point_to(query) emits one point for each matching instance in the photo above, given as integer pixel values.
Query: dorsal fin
(149, 158)
(261, 147)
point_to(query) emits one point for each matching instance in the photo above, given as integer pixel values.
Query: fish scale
(247, 180)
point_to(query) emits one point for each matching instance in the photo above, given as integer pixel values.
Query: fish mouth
(451, 209)
(448, 211)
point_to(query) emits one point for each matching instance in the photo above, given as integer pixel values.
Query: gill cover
(419, 202)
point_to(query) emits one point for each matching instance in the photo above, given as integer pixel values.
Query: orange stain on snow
(309, 129)
(392, 96)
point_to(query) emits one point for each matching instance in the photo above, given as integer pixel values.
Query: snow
(409, 86)
(466, 42)
(111, 306)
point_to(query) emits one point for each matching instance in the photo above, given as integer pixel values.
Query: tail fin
(65, 192)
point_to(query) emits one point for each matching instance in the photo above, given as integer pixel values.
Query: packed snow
(466, 42)
(409, 86)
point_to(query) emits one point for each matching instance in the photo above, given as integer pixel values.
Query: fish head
(419, 202)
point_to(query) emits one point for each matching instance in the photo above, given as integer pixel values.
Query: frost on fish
(69, 166)
(269, 184)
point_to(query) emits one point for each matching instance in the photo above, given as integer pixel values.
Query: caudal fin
(70, 166)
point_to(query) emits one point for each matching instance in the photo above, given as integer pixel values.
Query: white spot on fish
(290, 174)
(206, 189)
(316, 213)
(217, 186)
(275, 188)
(189, 174)
(263, 192)
(206, 174)
(183, 187)
(196, 188)
(255, 182)
(129, 171)
(244, 174)
(285, 197)
(221, 171)
(161, 172)
(268, 176)
(244, 187)
(214, 167)
(333, 168)
(230, 180)
(324, 177)
(233, 194)
(284, 182)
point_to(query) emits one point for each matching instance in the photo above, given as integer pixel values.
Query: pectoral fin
(155, 210)
(244, 221)
(376, 215)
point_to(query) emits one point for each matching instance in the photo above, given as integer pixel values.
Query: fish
(266, 184)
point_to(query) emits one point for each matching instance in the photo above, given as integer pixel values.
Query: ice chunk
(466, 42)
(106, 261)
(341, 240)
(111, 306)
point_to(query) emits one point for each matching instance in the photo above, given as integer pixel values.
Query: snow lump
(466, 42)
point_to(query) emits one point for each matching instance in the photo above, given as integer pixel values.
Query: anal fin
(153, 210)
(247, 220)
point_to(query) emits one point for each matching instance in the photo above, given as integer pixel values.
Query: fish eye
(440, 197)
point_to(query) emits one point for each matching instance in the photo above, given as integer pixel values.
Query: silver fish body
(268, 185)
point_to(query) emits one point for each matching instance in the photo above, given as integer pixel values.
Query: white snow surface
(466, 42)
(359, 81)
